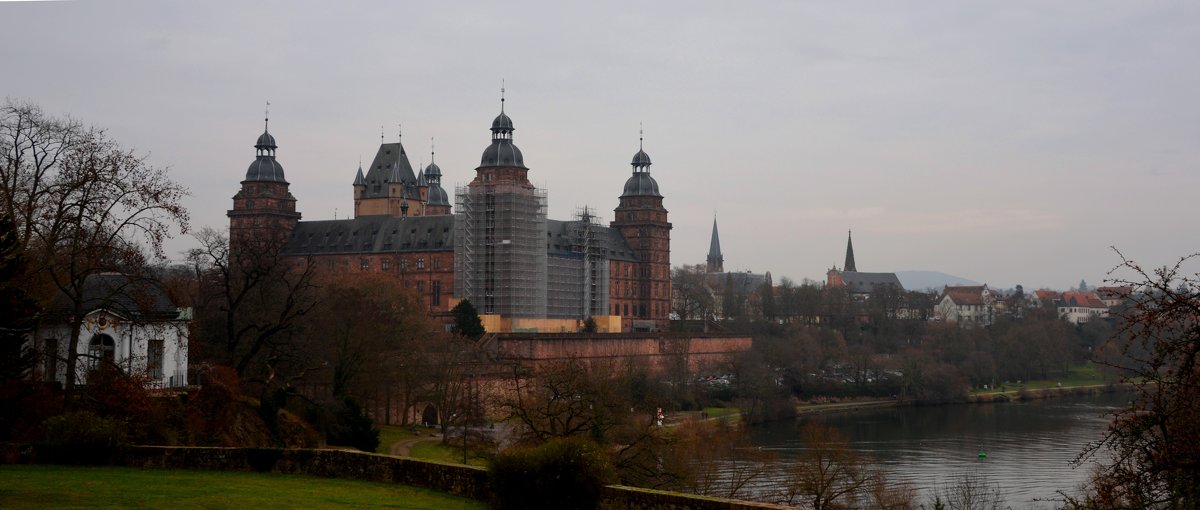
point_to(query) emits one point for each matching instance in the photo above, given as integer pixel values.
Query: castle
(493, 246)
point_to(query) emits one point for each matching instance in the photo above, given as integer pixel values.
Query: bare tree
(1153, 446)
(251, 304)
(83, 206)
(692, 297)
(828, 474)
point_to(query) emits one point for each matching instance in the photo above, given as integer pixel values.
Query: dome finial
(501, 95)
(431, 150)
(641, 135)
(267, 116)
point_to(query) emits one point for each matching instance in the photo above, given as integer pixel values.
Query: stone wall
(656, 350)
(618, 497)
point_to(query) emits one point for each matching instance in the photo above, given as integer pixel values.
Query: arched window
(102, 349)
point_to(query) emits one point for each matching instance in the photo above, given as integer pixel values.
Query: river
(1029, 446)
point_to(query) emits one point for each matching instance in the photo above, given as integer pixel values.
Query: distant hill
(921, 280)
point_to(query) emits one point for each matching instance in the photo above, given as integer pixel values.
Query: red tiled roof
(970, 295)
(1046, 294)
(1088, 299)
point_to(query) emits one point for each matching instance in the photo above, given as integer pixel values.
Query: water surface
(1029, 445)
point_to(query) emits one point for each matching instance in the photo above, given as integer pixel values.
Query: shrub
(566, 473)
(352, 427)
(83, 437)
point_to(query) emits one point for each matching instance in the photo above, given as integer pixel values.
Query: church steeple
(849, 254)
(716, 262)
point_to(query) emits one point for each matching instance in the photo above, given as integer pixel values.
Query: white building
(968, 306)
(129, 324)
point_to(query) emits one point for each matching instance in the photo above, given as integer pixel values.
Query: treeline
(813, 342)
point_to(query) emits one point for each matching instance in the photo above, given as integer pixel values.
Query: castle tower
(263, 210)
(849, 266)
(388, 185)
(716, 262)
(642, 221)
(500, 232)
(438, 202)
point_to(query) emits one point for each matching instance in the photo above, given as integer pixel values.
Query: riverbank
(1019, 394)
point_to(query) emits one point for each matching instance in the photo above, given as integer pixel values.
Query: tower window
(421, 263)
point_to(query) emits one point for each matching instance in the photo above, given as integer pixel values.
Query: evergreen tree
(466, 320)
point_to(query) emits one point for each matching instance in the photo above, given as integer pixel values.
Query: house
(128, 323)
(1080, 307)
(969, 306)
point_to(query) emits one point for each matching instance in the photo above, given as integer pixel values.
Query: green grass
(435, 450)
(389, 434)
(717, 412)
(46, 486)
(1084, 374)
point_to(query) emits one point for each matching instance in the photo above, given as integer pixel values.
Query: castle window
(437, 263)
(436, 299)
(364, 264)
(385, 264)
(403, 264)
(420, 286)
(421, 263)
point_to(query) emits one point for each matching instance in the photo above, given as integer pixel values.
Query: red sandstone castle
(496, 248)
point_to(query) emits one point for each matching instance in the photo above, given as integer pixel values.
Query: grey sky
(1006, 142)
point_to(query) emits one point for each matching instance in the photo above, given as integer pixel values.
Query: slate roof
(741, 281)
(383, 169)
(385, 234)
(865, 283)
(373, 234)
(132, 298)
(560, 238)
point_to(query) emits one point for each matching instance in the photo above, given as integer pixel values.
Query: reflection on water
(1029, 445)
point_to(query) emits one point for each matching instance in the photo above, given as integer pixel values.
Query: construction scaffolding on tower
(500, 248)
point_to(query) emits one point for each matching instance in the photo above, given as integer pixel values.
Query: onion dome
(433, 173)
(502, 152)
(265, 168)
(640, 183)
(641, 159)
(502, 123)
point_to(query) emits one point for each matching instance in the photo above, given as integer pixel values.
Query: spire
(641, 160)
(849, 266)
(359, 180)
(716, 262)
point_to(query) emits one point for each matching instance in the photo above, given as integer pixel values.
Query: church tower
(642, 220)
(716, 262)
(264, 209)
(500, 232)
(849, 266)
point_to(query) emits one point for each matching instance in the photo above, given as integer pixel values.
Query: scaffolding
(500, 248)
(591, 241)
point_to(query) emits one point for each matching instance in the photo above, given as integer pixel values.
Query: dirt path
(403, 448)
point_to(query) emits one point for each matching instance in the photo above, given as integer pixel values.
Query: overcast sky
(1004, 142)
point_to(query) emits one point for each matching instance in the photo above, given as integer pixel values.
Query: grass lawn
(1084, 374)
(451, 453)
(389, 434)
(47, 486)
